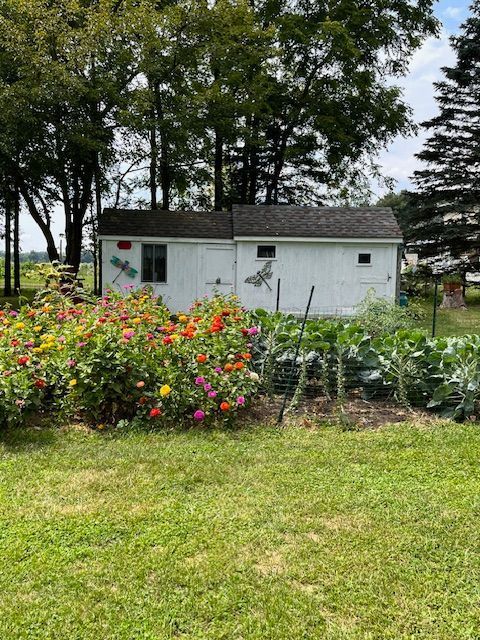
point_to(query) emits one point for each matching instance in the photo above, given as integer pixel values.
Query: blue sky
(398, 161)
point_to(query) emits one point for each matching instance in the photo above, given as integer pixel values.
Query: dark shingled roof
(314, 222)
(274, 221)
(168, 224)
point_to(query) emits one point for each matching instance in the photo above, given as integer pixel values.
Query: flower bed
(125, 358)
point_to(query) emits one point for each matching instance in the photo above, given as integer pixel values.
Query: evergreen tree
(445, 218)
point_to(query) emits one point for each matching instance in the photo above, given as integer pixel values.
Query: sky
(398, 160)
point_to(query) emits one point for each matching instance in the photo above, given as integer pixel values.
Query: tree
(445, 219)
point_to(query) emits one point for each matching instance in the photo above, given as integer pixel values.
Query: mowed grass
(249, 534)
(452, 322)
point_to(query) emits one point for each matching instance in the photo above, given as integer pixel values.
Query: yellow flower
(60, 347)
(37, 328)
(37, 349)
(20, 325)
(100, 426)
(165, 390)
(73, 382)
(183, 319)
(136, 320)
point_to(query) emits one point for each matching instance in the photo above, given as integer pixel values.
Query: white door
(217, 271)
(364, 268)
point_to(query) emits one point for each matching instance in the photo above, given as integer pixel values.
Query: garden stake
(277, 306)
(434, 319)
(297, 350)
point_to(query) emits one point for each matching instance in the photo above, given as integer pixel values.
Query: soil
(356, 412)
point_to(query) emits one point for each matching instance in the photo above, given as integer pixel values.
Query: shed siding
(195, 266)
(339, 282)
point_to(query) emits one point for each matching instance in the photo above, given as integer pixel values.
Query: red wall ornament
(124, 244)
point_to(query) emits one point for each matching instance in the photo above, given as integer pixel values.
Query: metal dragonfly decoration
(263, 275)
(124, 267)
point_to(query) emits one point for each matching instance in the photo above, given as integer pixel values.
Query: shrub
(125, 357)
(382, 315)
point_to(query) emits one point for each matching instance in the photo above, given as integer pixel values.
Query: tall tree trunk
(218, 171)
(7, 286)
(253, 165)
(153, 166)
(95, 223)
(164, 156)
(44, 225)
(16, 241)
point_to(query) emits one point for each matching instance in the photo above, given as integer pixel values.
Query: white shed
(262, 253)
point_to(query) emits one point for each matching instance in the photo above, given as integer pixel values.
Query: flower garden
(124, 357)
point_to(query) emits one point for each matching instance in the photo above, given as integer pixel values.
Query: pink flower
(207, 386)
(199, 415)
(29, 344)
(212, 394)
(61, 339)
(128, 334)
(218, 369)
(252, 331)
(240, 400)
(200, 380)
(14, 314)
(81, 344)
(71, 363)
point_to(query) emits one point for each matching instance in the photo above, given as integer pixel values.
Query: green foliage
(417, 279)
(124, 358)
(452, 278)
(441, 374)
(381, 315)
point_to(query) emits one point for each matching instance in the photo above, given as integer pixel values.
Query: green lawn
(452, 322)
(254, 534)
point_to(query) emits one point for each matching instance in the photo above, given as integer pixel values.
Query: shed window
(154, 262)
(266, 251)
(364, 258)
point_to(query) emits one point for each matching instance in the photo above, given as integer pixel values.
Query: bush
(125, 358)
(381, 315)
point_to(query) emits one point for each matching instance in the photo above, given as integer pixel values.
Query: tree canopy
(445, 217)
(197, 104)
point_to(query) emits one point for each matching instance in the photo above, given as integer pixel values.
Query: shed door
(358, 278)
(217, 273)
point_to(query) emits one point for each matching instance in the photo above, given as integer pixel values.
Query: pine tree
(444, 222)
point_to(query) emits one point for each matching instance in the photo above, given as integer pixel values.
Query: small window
(266, 251)
(154, 262)
(364, 258)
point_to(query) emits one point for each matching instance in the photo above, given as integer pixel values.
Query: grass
(254, 534)
(453, 322)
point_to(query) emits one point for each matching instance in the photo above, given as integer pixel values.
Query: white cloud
(454, 13)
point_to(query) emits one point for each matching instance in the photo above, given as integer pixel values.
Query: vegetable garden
(124, 358)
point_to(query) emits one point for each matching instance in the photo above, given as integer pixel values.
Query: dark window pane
(147, 263)
(266, 251)
(364, 258)
(160, 274)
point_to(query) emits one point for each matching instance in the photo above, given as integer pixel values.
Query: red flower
(245, 332)
(225, 406)
(15, 343)
(155, 412)
(239, 365)
(23, 360)
(201, 357)
(40, 384)
(167, 340)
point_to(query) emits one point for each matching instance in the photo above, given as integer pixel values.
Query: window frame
(154, 245)
(269, 246)
(364, 264)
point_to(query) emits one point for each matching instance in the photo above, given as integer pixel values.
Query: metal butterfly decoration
(123, 266)
(263, 275)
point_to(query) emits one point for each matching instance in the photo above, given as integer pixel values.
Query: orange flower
(247, 356)
(228, 367)
(140, 384)
(225, 406)
(201, 357)
(239, 365)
